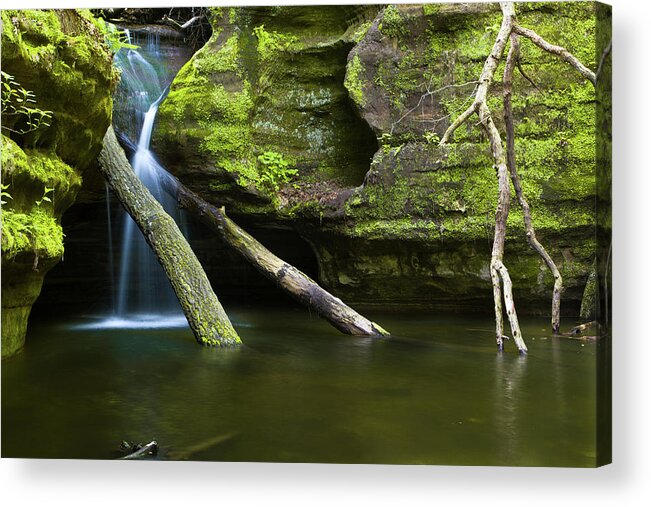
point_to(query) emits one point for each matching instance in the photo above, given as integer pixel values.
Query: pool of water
(436, 393)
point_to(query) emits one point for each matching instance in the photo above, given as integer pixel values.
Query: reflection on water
(299, 391)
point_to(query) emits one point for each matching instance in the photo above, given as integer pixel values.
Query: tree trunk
(204, 313)
(294, 282)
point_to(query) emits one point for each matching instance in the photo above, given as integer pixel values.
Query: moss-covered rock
(414, 70)
(269, 80)
(419, 228)
(62, 59)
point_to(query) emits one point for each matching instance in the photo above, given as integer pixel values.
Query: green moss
(220, 122)
(361, 31)
(270, 42)
(62, 56)
(228, 129)
(223, 60)
(393, 24)
(36, 232)
(400, 79)
(45, 168)
(353, 82)
(431, 9)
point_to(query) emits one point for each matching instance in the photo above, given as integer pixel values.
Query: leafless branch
(507, 84)
(521, 70)
(559, 51)
(502, 286)
(429, 93)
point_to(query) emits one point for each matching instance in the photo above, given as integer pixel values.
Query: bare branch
(459, 121)
(488, 71)
(519, 65)
(510, 307)
(559, 51)
(502, 286)
(429, 93)
(507, 81)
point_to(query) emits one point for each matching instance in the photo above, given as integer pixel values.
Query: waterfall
(143, 296)
(109, 229)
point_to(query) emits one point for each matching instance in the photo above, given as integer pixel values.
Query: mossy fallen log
(293, 281)
(204, 312)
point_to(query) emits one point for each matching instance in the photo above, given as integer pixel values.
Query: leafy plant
(5, 194)
(16, 103)
(392, 23)
(275, 170)
(117, 39)
(431, 137)
(114, 37)
(45, 197)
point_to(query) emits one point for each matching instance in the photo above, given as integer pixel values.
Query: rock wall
(413, 224)
(62, 59)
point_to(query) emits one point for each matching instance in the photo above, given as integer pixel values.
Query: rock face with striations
(61, 58)
(354, 99)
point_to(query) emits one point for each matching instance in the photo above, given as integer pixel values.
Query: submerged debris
(138, 451)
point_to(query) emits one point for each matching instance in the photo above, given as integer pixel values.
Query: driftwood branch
(291, 280)
(204, 312)
(580, 328)
(166, 20)
(504, 165)
(507, 82)
(576, 333)
(559, 51)
(144, 451)
(501, 280)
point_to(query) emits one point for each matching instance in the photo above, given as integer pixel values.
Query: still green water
(438, 393)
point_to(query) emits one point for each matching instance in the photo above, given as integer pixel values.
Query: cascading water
(143, 296)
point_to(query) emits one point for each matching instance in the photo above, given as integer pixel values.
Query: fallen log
(293, 281)
(204, 312)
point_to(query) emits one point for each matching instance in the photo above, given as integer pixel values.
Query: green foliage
(16, 105)
(5, 194)
(46, 168)
(116, 39)
(393, 24)
(270, 43)
(275, 171)
(62, 57)
(27, 223)
(353, 81)
(361, 31)
(431, 9)
(45, 197)
(431, 137)
(224, 60)
(36, 231)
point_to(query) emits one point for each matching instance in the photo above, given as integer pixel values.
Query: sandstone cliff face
(61, 58)
(354, 99)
